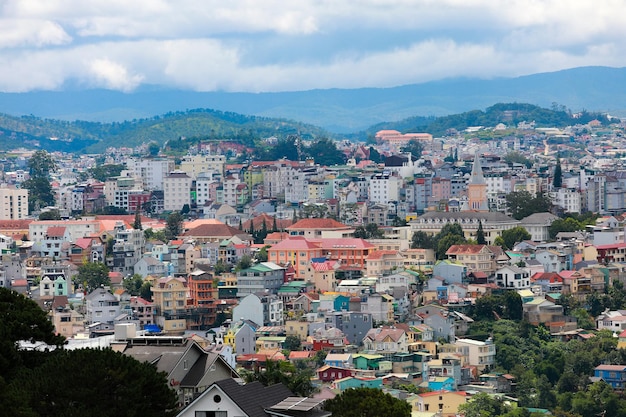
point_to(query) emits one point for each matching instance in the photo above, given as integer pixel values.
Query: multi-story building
(13, 203)
(194, 165)
(170, 299)
(176, 191)
(384, 187)
(265, 276)
(150, 171)
(482, 355)
(101, 307)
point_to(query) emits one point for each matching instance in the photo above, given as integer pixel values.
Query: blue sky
(278, 45)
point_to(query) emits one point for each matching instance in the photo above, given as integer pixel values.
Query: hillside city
(485, 265)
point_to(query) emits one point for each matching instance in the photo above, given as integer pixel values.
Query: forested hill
(81, 136)
(508, 113)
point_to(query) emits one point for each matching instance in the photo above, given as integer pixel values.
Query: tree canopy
(93, 275)
(522, 204)
(173, 225)
(367, 402)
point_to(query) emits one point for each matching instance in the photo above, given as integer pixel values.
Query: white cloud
(247, 45)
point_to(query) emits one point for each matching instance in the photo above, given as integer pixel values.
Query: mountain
(82, 136)
(339, 110)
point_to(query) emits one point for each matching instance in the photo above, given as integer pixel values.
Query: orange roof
(379, 254)
(217, 230)
(55, 231)
(295, 243)
(318, 224)
(433, 393)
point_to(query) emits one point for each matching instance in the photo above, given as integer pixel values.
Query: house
(512, 277)
(229, 398)
(614, 375)
(480, 354)
(482, 258)
(357, 382)
(385, 340)
(260, 307)
(439, 383)
(265, 276)
(339, 360)
(444, 403)
(353, 324)
(101, 307)
(366, 361)
(537, 225)
(328, 373)
(241, 336)
(614, 321)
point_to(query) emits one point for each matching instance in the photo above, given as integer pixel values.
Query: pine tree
(137, 222)
(251, 230)
(240, 224)
(480, 234)
(558, 175)
(274, 226)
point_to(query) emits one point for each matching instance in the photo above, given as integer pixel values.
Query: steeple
(477, 188)
(476, 177)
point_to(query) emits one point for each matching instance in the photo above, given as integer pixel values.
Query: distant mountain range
(600, 89)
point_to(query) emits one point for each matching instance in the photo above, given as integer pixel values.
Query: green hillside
(81, 136)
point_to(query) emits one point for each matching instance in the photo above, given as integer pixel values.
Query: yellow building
(170, 300)
(445, 403)
(297, 328)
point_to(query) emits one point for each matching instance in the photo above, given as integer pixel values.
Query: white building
(384, 188)
(176, 190)
(513, 278)
(482, 355)
(13, 203)
(151, 171)
(193, 165)
(569, 199)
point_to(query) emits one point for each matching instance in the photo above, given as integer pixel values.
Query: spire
(476, 177)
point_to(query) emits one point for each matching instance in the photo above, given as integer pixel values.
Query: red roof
(295, 243)
(55, 231)
(318, 224)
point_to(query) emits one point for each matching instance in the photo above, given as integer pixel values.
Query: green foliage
(137, 223)
(50, 215)
(173, 225)
(512, 236)
(324, 152)
(522, 204)
(146, 291)
(557, 181)
(507, 305)
(568, 224)
(275, 372)
(422, 240)
(123, 385)
(40, 193)
(150, 234)
(104, 172)
(369, 231)
(292, 343)
(484, 405)
(244, 263)
(480, 234)
(518, 158)
(414, 147)
(93, 275)
(133, 284)
(261, 255)
(367, 402)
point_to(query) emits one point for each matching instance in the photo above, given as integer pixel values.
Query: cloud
(113, 75)
(247, 45)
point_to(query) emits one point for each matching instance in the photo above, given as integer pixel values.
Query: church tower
(477, 188)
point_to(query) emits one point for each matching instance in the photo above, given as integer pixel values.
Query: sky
(294, 45)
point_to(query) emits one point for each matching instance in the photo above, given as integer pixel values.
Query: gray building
(265, 276)
(353, 324)
(101, 307)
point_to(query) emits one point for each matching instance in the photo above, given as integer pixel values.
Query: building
(264, 276)
(101, 307)
(176, 191)
(614, 375)
(512, 277)
(477, 188)
(482, 355)
(13, 203)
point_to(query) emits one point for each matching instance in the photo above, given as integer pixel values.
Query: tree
(522, 204)
(50, 215)
(22, 319)
(375, 156)
(146, 291)
(483, 405)
(275, 372)
(244, 263)
(40, 193)
(414, 146)
(153, 149)
(422, 240)
(292, 343)
(173, 225)
(137, 223)
(515, 235)
(124, 386)
(369, 231)
(568, 224)
(367, 402)
(558, 175)
(480, 234)
(324, 151)
(262, 256)
(93, 275)
(104, 172)
(133, 284)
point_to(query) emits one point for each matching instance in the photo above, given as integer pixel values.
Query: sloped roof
(55, 231)
(217, 230)
(253, 397)
(318, 224)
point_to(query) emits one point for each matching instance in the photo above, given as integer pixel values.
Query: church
(473, 212)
